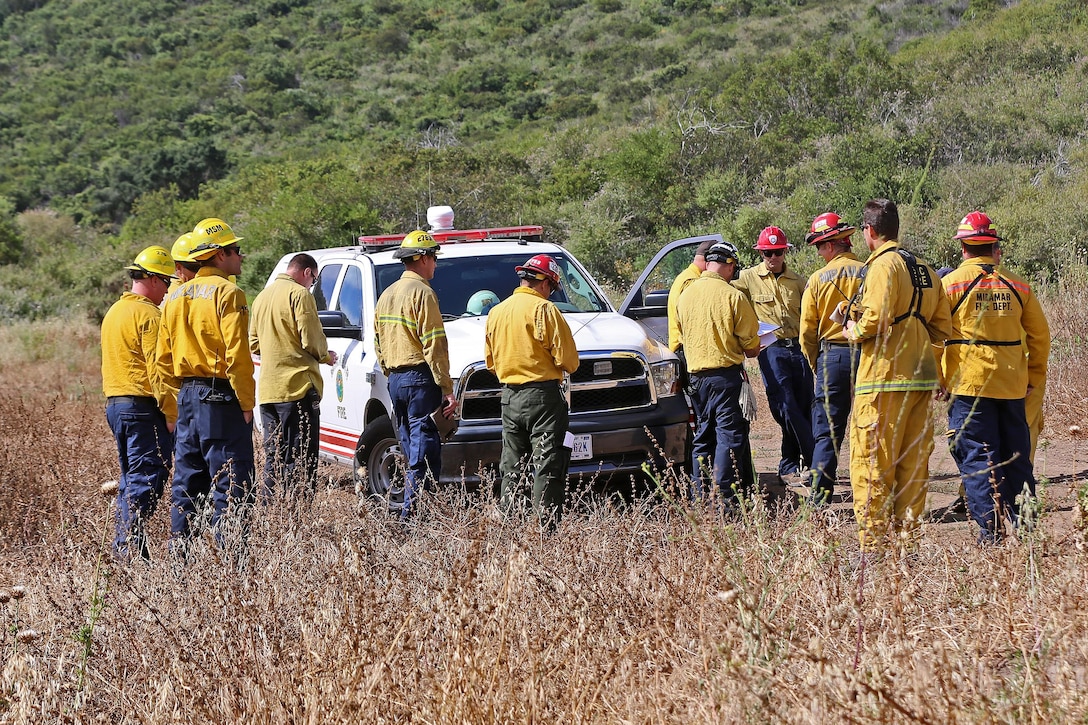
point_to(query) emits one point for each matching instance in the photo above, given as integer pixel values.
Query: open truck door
(647, 302)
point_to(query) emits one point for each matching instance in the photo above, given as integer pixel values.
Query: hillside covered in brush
(617, 124)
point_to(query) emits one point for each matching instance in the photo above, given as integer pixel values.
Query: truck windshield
(458, 279)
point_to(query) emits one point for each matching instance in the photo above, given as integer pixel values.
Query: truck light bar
(454, 236)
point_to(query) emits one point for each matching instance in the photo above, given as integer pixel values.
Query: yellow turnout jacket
(899, 324)
(409, 331)
(287, 334)
(1000, 338)
(527, 340)
(130, 333)
(205, 334)
(838, 281)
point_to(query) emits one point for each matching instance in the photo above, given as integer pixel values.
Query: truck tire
(378, 459)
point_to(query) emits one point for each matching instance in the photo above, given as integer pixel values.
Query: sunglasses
(773, 253)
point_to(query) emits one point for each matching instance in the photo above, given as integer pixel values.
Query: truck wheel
(377, 455)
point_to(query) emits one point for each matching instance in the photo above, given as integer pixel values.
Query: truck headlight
(666, 375)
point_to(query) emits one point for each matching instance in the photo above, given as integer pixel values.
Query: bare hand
(333, 357)
(450, 409)
(941, 394)
(170, 426)
(247, 416)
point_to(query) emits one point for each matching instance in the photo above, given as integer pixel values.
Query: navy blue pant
(415, 396)
(990, 444)
(788, 381)
(836, 367)
(292, 434)
(144, 449)
(721, 452)
(213, 459)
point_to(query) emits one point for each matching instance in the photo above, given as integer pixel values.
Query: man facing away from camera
(834, 360)
(718, 329)
(286, 333)
(529, 346)
(903, 314)
(203, 354)
(996, 354)
(134, 396)
(410, 339)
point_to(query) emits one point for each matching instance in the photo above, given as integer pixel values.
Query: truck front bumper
(622, 442)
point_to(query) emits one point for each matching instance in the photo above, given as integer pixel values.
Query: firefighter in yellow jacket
(134, 394)
(529, 346)
(286, 333)
(203, 355)
(833, 359)
(775, 293)
(997, 352)
(903, 314)
(410, 339)
(719, 329)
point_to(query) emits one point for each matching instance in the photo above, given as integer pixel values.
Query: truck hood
(594, 332)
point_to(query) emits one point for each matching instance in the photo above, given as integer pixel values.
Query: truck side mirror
(336, 324)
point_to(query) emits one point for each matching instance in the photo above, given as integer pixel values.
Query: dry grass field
(647, 612)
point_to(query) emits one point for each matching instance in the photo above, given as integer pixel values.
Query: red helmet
(540, 266)
(772, 238)
(976, 228)
(828, 226)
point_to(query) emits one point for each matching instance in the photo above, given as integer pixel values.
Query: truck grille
(600, 384)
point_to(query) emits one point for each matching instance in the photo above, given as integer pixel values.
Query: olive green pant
(534, 422)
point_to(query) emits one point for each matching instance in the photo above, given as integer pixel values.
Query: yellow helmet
(154, 260)
(415, 244)
(182, 248)
(208, 237)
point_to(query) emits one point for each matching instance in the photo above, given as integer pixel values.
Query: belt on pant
(210, 382)
(417, 368)
(716, 371)
(542, 384)
(785, 342)
(827, 344)
(131, 399)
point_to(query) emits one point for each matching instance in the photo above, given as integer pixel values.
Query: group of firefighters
(180, 385)
(878, 338)
(882, 338)
(180, 389)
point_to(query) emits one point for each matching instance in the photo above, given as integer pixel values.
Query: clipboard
(766, 335)
(446, 426)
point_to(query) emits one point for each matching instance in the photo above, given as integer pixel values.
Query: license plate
(583, 448)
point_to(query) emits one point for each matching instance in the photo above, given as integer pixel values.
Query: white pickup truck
(626, 403)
